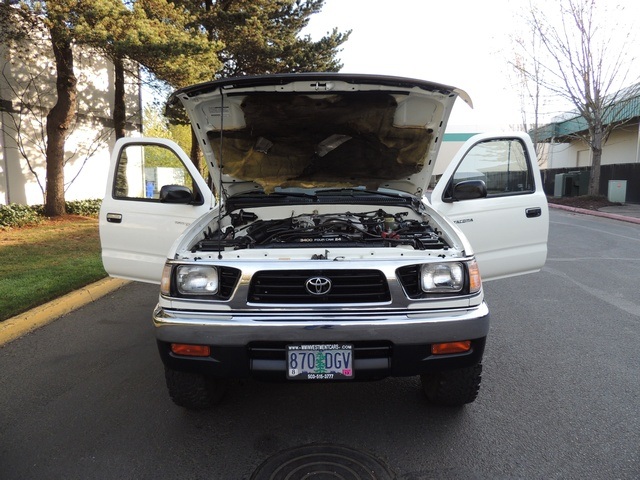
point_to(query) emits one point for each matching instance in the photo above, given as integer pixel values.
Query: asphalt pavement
(85, 397)
(19, 325)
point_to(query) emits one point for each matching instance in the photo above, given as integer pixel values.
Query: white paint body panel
(137, 247)
(506, 242)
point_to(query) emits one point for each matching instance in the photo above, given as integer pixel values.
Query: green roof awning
(622, 111)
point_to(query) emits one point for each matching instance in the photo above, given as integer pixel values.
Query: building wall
(622, 147)
(27, 93)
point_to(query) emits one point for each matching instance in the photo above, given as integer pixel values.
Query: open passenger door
(154, 192)
(493, 192)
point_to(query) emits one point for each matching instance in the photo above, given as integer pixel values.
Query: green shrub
(15, 215)
(86, 208)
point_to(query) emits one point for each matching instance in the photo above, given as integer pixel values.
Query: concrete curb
(596, 213)
(19, 325)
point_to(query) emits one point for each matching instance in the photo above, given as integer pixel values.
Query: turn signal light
(451, 347)
(191, 350)
(475, 283)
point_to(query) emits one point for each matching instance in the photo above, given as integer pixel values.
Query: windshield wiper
(293, 194)
(276, 194)
(352, 192)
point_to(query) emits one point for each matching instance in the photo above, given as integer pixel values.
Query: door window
(143, 170)
(502, 164)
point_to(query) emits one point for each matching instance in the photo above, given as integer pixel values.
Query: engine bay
(376, 228)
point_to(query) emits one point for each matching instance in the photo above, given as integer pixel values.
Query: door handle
(114, 217)
(533, 212)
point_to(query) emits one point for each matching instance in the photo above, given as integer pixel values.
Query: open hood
(319, 130)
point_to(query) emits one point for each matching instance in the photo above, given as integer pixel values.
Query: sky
(463, 43)
(458, 43)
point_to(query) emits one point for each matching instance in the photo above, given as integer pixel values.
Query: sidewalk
(19, 325)
(629, 212)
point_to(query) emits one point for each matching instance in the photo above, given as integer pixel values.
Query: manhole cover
(322, 462)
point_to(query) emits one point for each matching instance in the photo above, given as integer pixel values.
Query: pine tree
(321, 366)
(155, 34)
(264, 36)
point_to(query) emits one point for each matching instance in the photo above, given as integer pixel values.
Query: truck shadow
(389, 418)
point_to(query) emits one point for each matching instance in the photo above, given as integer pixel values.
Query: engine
(374, 229)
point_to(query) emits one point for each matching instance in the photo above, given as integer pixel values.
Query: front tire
(452, 388)
(194, 391)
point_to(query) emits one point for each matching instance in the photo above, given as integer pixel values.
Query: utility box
(580, 182)
(558, 185)
(571, 184)
(564, 185)
(617, 191)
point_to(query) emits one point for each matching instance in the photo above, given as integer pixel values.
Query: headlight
(197, 280)
(442, 277)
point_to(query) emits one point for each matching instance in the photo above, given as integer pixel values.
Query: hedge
(15, 215)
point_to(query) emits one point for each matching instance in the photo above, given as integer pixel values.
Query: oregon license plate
(320, 361)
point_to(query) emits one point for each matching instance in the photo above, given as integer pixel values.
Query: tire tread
(193, 391)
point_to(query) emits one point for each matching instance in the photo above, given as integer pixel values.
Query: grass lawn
(40, 263)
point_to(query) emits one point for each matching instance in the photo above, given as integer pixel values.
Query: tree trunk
(59, 121)
(596, 159)
(119, 106)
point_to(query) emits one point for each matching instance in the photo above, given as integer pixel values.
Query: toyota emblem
(318, 285)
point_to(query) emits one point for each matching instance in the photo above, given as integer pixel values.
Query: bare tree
(586, 60)
(528, 85)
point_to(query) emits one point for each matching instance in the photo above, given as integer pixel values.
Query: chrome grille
(347, 286)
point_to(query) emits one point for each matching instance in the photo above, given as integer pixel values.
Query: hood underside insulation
(325, 140)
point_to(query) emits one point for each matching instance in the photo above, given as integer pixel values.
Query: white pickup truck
(312, 253)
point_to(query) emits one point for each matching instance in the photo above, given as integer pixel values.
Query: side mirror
(469, 189)
(175, 194)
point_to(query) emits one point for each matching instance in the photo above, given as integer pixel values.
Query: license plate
(320, 362)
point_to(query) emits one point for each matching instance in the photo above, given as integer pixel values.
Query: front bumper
(385, 343)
